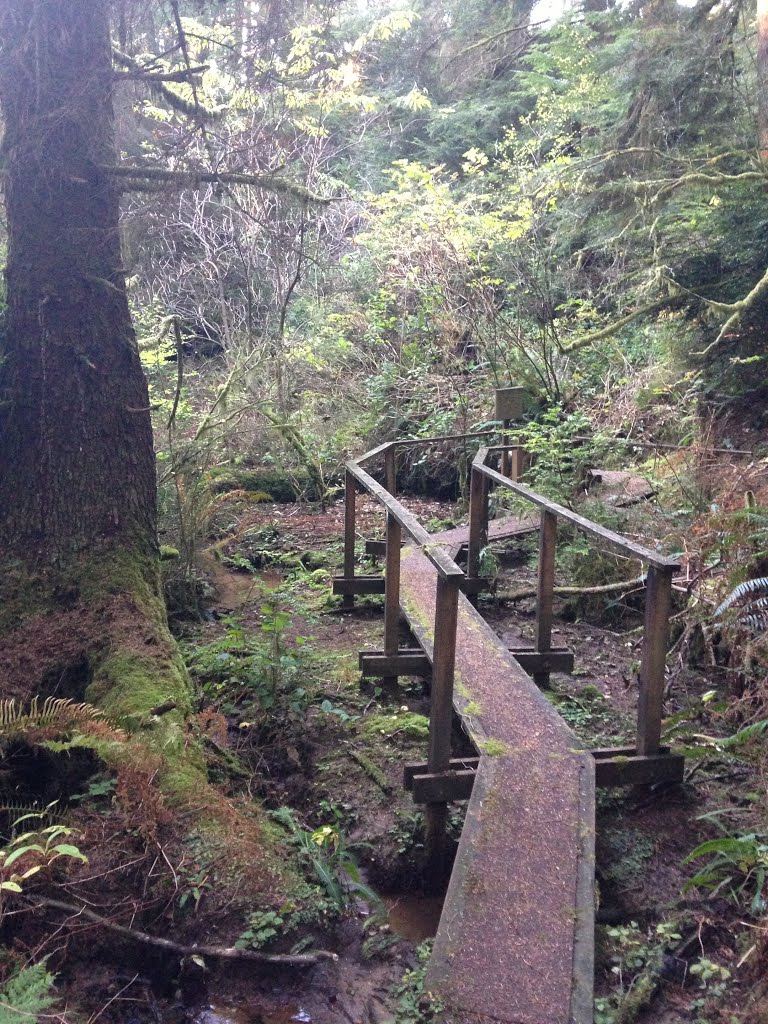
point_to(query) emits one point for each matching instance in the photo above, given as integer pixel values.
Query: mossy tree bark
(80, 606)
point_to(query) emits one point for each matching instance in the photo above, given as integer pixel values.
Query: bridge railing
(658, 593)
(396, 662)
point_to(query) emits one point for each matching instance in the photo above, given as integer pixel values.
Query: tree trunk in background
(80, 606)
(762, 77)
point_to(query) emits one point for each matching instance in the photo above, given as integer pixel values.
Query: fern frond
(27, 994)
(54, 712)
(759, 585)
(745, 735)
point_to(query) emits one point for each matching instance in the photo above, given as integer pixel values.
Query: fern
(56, 712)
(745, 735)
(27, 995)
(754, 613)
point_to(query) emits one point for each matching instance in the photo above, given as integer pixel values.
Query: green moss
(274, 482)
(494, 748)
(402, 723)
(472, 709)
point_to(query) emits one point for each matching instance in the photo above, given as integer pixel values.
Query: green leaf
(14, 856)
(67, 850)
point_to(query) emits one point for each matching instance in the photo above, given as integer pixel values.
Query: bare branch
(219, 952)
(197, 177)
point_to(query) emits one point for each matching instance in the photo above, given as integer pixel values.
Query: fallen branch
(604, 588)
(220, 952)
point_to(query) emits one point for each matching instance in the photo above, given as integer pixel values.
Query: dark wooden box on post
(510, 405)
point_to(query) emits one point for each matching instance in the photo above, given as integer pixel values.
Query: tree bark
(762, 77)
(80, 601)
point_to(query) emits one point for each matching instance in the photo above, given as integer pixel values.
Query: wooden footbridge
(516, 937)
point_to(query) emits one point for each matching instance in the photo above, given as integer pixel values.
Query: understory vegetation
(350, 223)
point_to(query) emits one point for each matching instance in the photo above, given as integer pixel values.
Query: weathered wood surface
(617, 487)
(515, 942)
(498, 529)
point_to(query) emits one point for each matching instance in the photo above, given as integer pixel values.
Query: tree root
(604, 588)
(221, 952)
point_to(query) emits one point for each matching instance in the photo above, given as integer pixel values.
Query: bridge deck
(498, 529)
(516, 935)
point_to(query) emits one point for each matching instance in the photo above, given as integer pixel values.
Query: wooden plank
(545, 590)
(443, 787)
(350, 500)
(376, 548)
(406, 662)
(608, 538)
(392, 593)
(417, 442)
(456, 764)
(658, 605)
(378, 450)
(478, 521)
(520, 906)
(554, 660)
(475, 585)
(440, 724)
(358, 585)
(639, 770)
(390, 470)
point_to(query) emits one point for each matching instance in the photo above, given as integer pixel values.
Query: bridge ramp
(516, 937)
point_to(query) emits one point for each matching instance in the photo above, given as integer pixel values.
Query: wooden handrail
(657, 599)
(415, 442)
(445, 566)
(607, 537)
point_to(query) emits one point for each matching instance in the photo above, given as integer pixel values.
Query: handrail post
(545, 589)
(658, 605)
(440, 724)
(390, 470)
(392, 594)
(505, 462)
(350, 501)
(516, 467)
(478, 521)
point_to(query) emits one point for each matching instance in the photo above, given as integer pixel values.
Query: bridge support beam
(440, 725)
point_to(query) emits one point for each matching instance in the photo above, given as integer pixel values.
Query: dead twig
(220, 952)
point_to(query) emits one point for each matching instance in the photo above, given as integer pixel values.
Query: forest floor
(335, 759)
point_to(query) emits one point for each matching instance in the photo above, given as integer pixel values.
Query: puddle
(214, 1014)
(413, 917)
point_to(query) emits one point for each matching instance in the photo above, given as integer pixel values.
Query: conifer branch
(156, 82)
(197, 177)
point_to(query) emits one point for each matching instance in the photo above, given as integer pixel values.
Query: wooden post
(392, 594)
(545, 589)
(390, 470)
(478, 521)
(505, 460)
(516, 468)
(440, 723)
(658, 605)
(350, 495)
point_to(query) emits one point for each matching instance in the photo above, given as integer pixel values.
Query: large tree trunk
(80, 607)
(762, 77)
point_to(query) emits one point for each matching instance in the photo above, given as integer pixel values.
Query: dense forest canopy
(244, 241)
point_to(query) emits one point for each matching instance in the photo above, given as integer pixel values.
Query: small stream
(413, 917)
